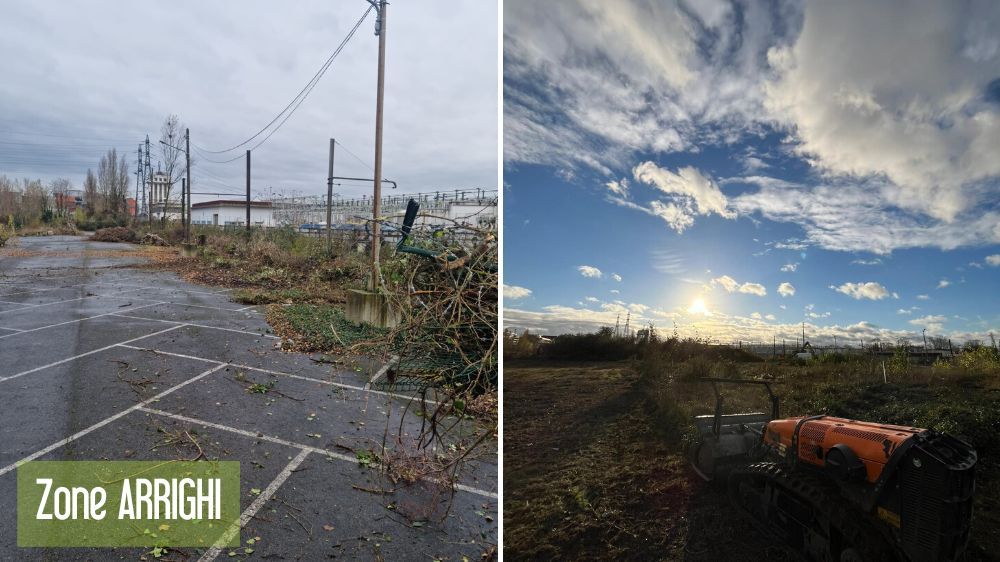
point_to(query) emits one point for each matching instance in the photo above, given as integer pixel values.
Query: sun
(698, 307)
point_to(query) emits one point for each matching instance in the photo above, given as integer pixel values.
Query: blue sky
(777, 164)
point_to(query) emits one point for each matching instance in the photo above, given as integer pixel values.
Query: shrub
(980, 360)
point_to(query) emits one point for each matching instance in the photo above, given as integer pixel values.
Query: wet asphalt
(100, 362)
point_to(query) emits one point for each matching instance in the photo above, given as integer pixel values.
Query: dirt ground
(589, 475)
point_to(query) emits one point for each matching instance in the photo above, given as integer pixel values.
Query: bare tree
(171, 136)
(112, 180)
(90, 194)
(60, 188)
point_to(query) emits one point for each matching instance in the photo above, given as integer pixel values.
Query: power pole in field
(248, 194)
(329, 202)
(380, 6)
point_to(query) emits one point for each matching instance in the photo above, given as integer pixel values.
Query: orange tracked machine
(839, 489)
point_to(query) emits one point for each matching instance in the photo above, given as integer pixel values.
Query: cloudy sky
(739, 167)
(77, 79)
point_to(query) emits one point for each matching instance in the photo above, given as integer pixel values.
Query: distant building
(232, 212)
(164, 199)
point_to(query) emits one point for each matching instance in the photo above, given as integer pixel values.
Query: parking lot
(104, 362)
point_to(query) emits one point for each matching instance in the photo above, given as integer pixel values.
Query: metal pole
(184, 189)
(187, 154)
(329, 202)
(248, 193)
(376, 276)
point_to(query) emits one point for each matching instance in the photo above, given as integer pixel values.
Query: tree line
(103, 197)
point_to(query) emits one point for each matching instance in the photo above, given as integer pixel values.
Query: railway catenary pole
(248, 194)
(329, 201)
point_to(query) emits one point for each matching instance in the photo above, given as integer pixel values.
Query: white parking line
(253, 508)
(307, 448)
(278, 373)
(199, 325)
(73, 321)
(60, 362)
(105, 422)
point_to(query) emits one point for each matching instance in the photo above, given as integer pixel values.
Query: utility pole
(924, 333)
(329, 202)
(380, 31)
(248, 194)
(184, 188)
(187, 155)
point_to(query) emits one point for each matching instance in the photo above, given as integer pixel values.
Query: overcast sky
(79, 78)
(737, 167)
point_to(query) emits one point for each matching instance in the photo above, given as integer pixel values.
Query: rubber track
(826, 502)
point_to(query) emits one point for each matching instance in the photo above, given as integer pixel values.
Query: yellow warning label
(888, 516)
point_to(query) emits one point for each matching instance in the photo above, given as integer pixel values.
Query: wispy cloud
(589, 271)
(790, 267)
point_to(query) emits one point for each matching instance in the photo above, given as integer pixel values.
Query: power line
(356, 157)
(298, 99)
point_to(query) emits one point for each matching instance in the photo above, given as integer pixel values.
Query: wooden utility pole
(187, 184)
(183, 205)
(248, 193)
(329, 202)
(380, 31)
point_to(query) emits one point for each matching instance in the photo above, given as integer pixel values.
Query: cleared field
(594, 468)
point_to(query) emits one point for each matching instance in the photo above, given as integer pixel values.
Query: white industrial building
(164, 198)
(232, 212)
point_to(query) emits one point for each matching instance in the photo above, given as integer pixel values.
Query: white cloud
(719, 327)
(727, 282)
(513, 292)
(756, 315)
(753, 289)
(923, 297)
(993, 260)
(731, 286)
(618, 187)
(933, 322)
(786, 289)
(589, 271)
(688, 185)
(677, 217)
(638, 308)
(943, 283)
(876, 261)
(615, 292)
(869, 290)
(769, 317)
(616, 277)
(592, 299)
(912, 111)
(790, 267)
(898, 123)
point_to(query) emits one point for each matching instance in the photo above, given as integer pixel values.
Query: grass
(320, 328)
(595, 470)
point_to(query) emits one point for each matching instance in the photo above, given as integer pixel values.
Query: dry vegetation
(594, 464)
